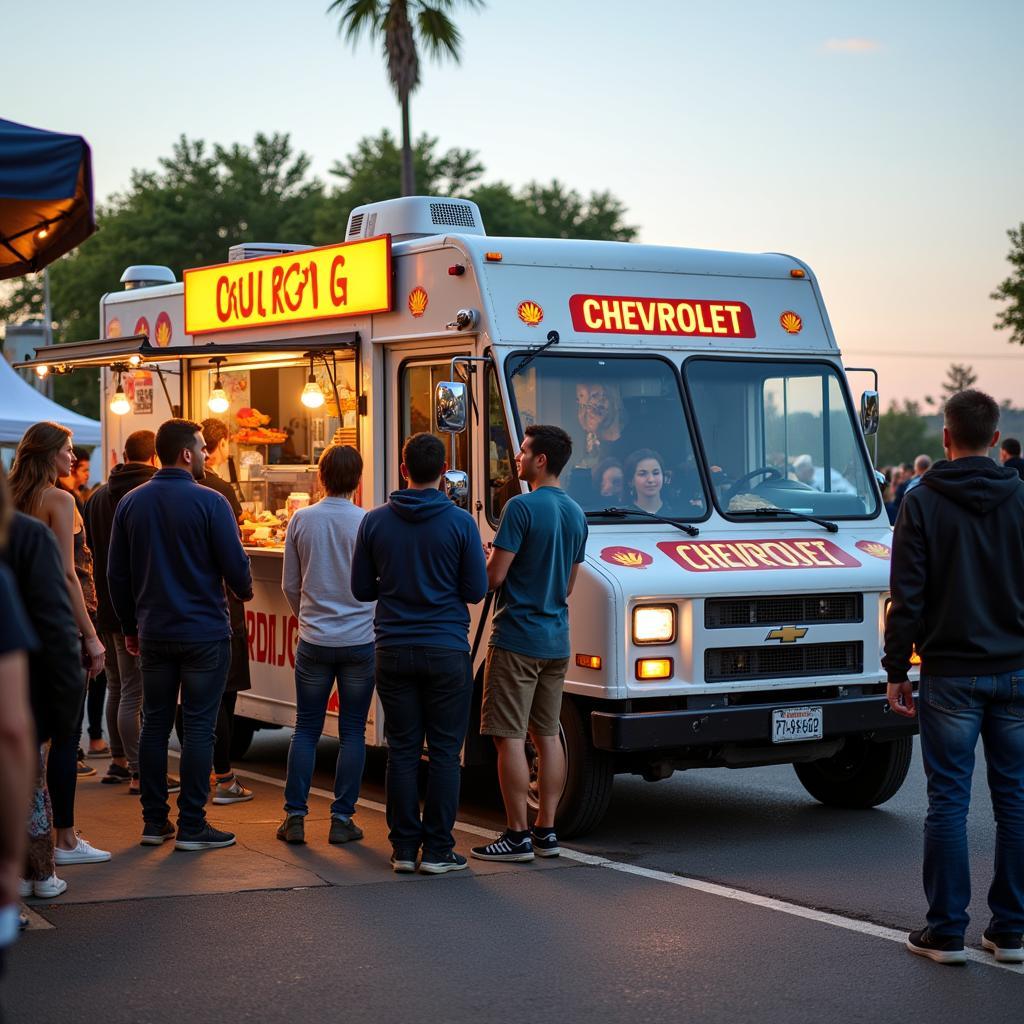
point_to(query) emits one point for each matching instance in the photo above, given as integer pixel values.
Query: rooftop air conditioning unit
(254, 250)
(414, 217)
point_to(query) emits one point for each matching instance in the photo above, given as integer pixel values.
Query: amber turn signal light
(588, 661)
(653, 668)
(797, 272)
(492, 257)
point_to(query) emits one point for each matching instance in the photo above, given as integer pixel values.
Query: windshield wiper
(621, 513)
(552, 340)
(772, 510)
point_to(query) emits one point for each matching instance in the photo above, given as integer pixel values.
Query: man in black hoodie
(420, 558)
(124, 680)
(957, 586)
(1009, 455)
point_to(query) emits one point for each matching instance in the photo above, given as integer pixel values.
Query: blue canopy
(45, 197)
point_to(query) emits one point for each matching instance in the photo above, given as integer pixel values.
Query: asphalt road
(553, 941)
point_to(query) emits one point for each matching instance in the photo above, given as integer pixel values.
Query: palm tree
(402, 26)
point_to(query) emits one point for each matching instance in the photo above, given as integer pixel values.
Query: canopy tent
(45, 197)
(22, 405)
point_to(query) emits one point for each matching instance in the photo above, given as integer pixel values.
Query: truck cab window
(631, 440)
(780, 433)
(417, 409)
(502, 478)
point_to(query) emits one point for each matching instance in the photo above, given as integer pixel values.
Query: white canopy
(21, 406)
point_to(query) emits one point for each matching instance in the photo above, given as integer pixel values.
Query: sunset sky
(880, 142)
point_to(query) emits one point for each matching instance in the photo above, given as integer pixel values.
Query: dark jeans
(316, 669)
(954, 712)
(222, 734)
(94, 705)
(62, 771)
(426, 694)
(200, 670)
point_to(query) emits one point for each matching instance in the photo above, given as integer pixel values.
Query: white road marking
(849, 924)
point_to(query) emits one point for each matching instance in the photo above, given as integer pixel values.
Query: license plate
(793, 725)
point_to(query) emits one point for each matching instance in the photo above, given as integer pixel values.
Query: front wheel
(862, 774)
(588, 775)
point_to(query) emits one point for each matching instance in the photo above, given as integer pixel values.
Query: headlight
(654, 624)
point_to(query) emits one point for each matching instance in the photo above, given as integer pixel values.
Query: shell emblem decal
(626, 558)
(114, 328)
(791, 323)
(163, 330)
(874, 548)
(418, 301)
(530, 313)
(141, 326)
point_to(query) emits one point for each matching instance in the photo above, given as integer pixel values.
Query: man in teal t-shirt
(532, 566)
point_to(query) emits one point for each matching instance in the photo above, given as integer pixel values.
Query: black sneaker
(156, 835)
(116, 774)
(84, 770)
(207, 838)
(344, 830)
(545, 842)
(1007, 947)
(506, 847)
(292, 829)
(403, 862)
(943, 950)
(433, 864)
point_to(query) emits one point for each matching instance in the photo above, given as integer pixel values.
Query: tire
(862, 774)
(242, 731)
(588, 777)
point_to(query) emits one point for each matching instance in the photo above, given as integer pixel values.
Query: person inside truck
(608, 480)
(602, 415)
(645, 481)
(814, 476)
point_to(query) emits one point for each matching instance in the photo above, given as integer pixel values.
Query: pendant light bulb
(119, 404)
(218, 401)
(312, 396)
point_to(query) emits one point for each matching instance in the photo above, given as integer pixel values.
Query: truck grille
(731, 664)
(796, 609)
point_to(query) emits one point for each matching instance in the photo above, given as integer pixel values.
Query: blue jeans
(316, 669)
(200, 670)
(426, 694)
(954, 711)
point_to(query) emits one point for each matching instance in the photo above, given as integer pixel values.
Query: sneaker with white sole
(942, 949)
(47, 888)
(231, 792)
(84, 770)
(207, 838)
(24, 887)
(545, 842)
(154, 834)
(507, 847)
(432, 864)
(83, 853)
(1006, 947)
(403, 863)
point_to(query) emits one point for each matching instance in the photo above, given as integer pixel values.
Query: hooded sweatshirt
(957, 577)
(420, 558)
(99, 521)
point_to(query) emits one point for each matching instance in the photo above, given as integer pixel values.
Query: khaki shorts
(521, 694)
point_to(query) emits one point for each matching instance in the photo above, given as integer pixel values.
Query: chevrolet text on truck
(738, 624)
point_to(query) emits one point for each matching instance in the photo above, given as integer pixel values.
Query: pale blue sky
(878, 141)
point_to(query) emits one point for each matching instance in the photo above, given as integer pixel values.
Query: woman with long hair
(644, 474)
(45, 453)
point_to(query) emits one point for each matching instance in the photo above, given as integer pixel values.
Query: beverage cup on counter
(295, 501)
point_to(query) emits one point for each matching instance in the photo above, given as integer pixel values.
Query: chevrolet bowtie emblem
(787, 634)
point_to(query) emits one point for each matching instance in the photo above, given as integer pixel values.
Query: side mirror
(450, 407)
(456, 486)
(869, 412)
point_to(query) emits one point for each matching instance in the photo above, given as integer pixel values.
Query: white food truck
(730, 609)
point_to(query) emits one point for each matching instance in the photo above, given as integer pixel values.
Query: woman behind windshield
(644, 475)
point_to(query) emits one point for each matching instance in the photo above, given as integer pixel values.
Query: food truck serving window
(630, 436)
(272, 437)
(780, 433)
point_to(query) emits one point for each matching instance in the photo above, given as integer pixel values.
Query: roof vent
(146, 275)
(254, 250)
(414, 217)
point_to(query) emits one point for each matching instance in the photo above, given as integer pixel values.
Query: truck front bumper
(636, 731)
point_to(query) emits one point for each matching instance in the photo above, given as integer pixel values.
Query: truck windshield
(632, 446)
(780, 435)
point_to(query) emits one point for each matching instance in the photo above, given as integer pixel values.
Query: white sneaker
(24, 887)
(83, 853)
(49, 887)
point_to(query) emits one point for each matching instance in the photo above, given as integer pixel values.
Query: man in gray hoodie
(420, 558)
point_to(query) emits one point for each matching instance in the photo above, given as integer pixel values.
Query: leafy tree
(403, 26)
(1012, 290)
(904, 433)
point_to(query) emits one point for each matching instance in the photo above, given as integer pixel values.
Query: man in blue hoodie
(173, 547)
(420, 558)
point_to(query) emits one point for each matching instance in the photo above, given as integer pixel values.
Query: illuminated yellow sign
(338, 280)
